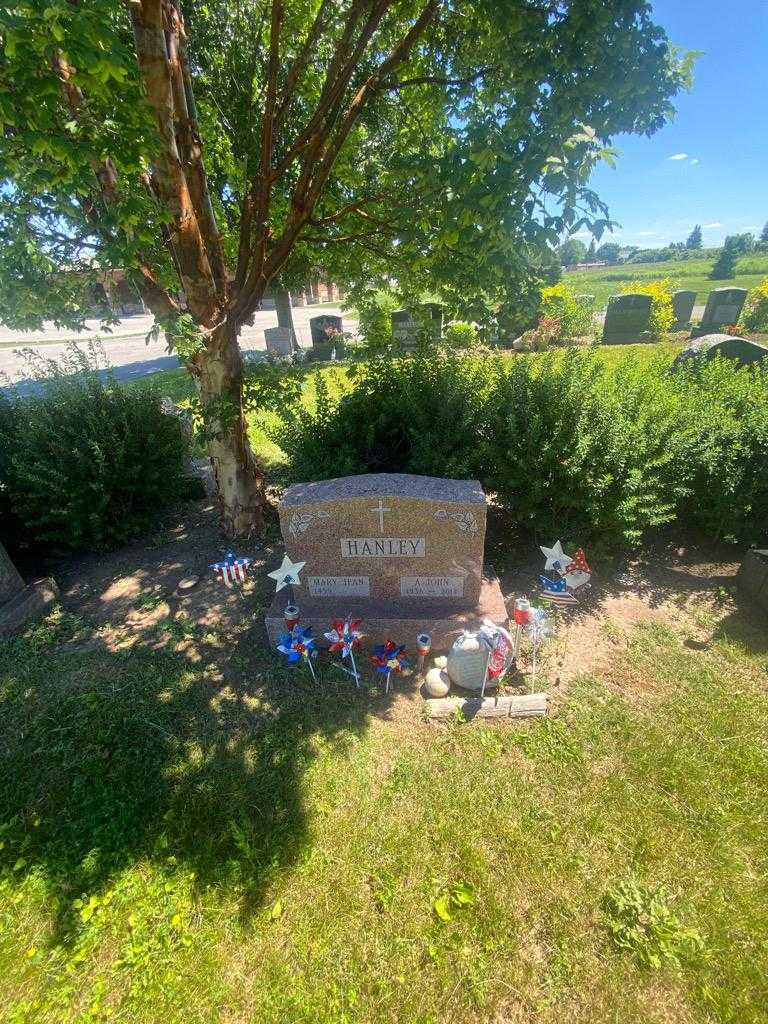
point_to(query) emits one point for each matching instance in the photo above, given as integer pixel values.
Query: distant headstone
(410, 327)
(683, 302)
(753, 578)
(20, 604)
(723, 307)
(402, 552)
(327, 336)
(626, 318)
(11, 582)
(279, 341)
(742, 350)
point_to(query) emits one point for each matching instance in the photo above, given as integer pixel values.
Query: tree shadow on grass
(110, 758)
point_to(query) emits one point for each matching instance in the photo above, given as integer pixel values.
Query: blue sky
(710, 165)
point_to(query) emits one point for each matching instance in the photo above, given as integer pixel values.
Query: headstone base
(30, 604)
(391, 620)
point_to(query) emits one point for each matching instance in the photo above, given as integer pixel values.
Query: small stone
(189, 582)
(437, 683)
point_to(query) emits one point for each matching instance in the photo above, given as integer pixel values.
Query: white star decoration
(287, 574)
(556, 557)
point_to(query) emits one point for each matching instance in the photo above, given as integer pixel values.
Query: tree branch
(433, 80)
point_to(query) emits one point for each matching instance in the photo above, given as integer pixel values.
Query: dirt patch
(132, 596)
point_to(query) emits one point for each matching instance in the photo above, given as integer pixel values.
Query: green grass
(692, 274)
(182, 849)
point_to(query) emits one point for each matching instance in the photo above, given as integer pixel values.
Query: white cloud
(694, 161)
(714, 224)
(646, 234)
(678, 156)
(750, 227)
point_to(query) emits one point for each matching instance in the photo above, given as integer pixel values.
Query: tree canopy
(209, 148)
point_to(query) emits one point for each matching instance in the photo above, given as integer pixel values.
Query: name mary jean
(382, 547)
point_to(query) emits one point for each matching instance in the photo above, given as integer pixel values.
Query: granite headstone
(723, 307)
(402, 552)
(410, 327)
(626, 318)
(279, 341)
(327, 336)
(683, 302)
(742, 350)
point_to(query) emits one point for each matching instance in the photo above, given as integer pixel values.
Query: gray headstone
(682, 305)
(27, 605)
(325, 329)
(723, 307)
(626, 318)
(11, 582)
(753, 578)
(742, 350)
(410, 327)
(279, 341)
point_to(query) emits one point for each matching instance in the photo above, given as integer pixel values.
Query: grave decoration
(539, 627)
(423, 646)
(500, 653)
(288, 576)
(404, 553)
(298, 646)
(571, 575)
(231, 569)
(388, 658)
(344, 637)
(479, 655)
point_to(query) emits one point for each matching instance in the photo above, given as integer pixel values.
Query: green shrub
(662, 312)
(754, 316)
(574, 314)
(461, 335)
(564, 444)
(416, 415)
(91, 462)
(570, 450)
(726, 451)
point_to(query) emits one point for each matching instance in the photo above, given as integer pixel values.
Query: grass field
(180, 850)
(692, 274)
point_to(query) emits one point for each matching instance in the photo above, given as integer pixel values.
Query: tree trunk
(218, 369)
(284, 310)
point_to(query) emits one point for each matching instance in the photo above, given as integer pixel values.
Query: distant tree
(571, 252)
(743, 243)
(609, 251)
(764, 233)
(725, 264)
(593, 247)
(694, 239)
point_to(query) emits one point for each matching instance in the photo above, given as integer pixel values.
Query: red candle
(291, 615)
(522, 612)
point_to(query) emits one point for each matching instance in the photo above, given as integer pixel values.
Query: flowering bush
(573, 313)
(754, 316)
(662, 313)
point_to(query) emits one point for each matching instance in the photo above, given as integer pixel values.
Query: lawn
(691, 274)
(190, 834)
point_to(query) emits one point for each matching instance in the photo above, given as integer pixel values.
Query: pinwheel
(388, 658)
(345, 637)
(297, 646)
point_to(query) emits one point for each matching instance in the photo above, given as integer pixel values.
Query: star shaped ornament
(556, 558)
(288, 574)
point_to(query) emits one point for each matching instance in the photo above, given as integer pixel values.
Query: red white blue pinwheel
(345, 637)
(297, 646)
(389, 658)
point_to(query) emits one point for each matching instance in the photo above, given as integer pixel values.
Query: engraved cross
(379, 511)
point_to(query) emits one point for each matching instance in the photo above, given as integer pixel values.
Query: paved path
(128, 353)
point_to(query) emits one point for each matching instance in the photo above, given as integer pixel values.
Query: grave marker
(683, 302)
(327, 335)
(402, 552)
(279, 341)
(410, 327)
(723, 308)
(626, 318)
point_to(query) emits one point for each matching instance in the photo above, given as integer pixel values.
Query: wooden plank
(517, 706)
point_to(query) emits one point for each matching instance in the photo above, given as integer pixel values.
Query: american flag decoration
(231, 569)
(556, 591)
